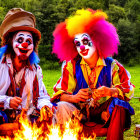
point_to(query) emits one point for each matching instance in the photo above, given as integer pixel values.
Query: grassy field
(51, 76)
(135, 103)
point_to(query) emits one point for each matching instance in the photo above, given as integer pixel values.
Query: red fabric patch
(65, 79)
(12, 88)
(35, 91)
(22, 84)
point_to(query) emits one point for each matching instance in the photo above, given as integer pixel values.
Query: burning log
(7, 129)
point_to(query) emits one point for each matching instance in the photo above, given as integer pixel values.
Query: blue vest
(104, 78)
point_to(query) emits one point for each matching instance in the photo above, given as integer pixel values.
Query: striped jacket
(108, 72)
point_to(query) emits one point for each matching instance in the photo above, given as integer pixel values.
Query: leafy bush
(47, 59)
(49, 65)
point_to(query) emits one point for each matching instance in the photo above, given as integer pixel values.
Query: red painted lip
(85, 52)
(23, 50)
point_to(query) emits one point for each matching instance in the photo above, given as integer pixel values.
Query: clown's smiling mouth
(23, 50)
(84, 52)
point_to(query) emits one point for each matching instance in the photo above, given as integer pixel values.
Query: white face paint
(23, 44)
(84, 45)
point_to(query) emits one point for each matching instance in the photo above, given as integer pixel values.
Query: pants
(3, 117)
(115, 125)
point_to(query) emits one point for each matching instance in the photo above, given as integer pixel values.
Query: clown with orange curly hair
(92, 82)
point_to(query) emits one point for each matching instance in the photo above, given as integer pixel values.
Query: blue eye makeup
(29, 41)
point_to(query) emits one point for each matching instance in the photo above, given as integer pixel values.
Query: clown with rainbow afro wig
(102, 33)
(21, 83)
(92, 81)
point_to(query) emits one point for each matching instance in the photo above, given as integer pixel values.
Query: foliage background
(124, 14)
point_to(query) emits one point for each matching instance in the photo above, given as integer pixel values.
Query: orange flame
(44, 131)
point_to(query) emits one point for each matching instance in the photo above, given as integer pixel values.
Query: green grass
(51, 77)
(135, 103)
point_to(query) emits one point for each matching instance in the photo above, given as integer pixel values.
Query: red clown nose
(82, 47)
(25, 44)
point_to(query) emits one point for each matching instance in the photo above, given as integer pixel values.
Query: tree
(89, 4)
(30, 5)
(137, 33)
(2, 14)
(115, 13)
(118, 2)
(127, 49)
(132, 9)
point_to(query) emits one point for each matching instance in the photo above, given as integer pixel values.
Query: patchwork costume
(21, 82)
(108, 72)
(109, 111)
(27, 84)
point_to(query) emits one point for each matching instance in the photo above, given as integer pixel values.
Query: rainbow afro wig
(102, 33)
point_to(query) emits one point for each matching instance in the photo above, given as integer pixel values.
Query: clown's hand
(46, 114)
(81, 96)
(104, 91)
(15, 102)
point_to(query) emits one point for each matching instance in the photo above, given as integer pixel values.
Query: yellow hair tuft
(76, 24)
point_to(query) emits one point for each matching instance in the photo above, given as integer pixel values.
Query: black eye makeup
(20, 40)
(85, 41)
(77, 43)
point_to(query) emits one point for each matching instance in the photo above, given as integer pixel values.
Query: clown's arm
(121, 80)
(121, 85)
(66, 85)
(4, 85)
(44, 98)
(7, 102)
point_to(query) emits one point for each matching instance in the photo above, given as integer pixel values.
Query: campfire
(42, 130)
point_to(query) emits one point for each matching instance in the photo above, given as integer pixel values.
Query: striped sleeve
(121, 80)
(67, 82)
